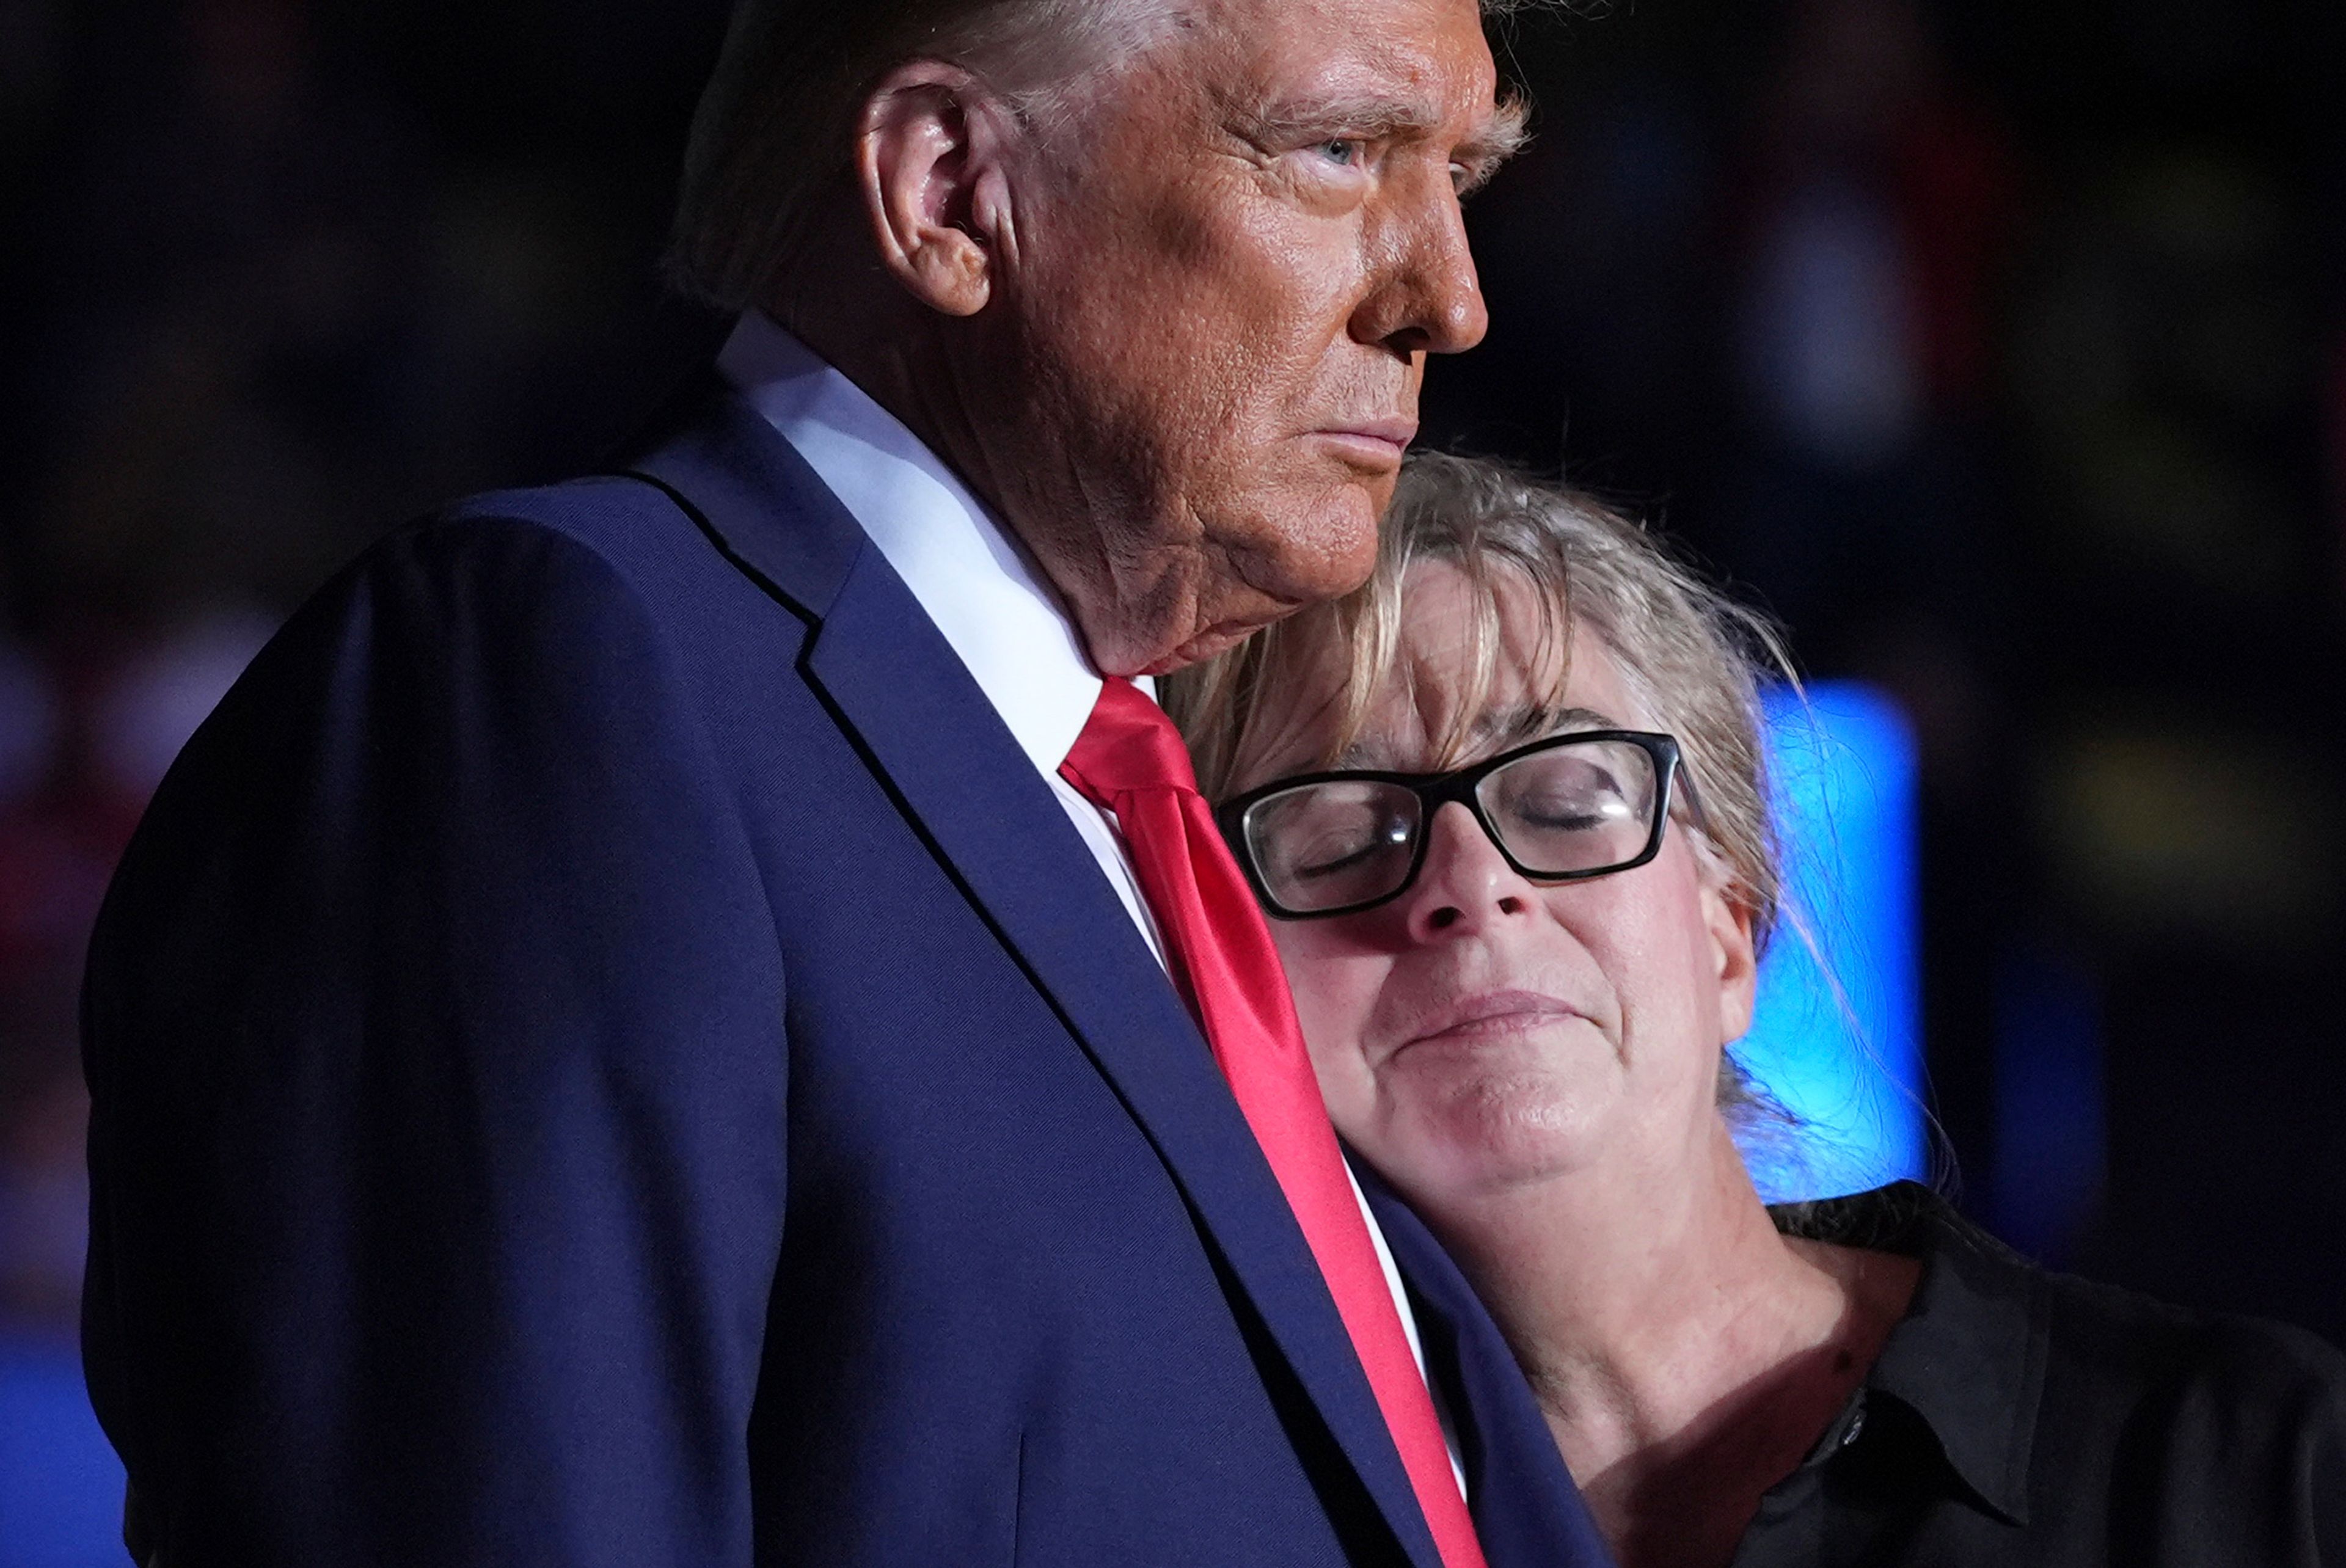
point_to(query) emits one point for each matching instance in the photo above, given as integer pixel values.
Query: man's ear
(929, 165)
(1735, 956)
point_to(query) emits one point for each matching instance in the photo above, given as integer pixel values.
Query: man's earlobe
(929, 167)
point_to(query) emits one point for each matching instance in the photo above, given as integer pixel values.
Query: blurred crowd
(1998, 348)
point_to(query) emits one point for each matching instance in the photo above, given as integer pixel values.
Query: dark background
(1999, 347)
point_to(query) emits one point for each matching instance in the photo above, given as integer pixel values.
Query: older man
(641, 1032)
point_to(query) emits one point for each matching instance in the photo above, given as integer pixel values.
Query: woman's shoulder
(2155, 1406)
(2107, 1424)
(2151, 1343)
(2177, 1351)
(2111, 1348)
(2221, 1436)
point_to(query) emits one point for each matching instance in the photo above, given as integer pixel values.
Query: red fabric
(1130, 760)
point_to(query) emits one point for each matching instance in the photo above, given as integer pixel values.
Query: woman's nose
(1465, 884)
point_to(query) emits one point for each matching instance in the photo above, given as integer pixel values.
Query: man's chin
(1205, 646)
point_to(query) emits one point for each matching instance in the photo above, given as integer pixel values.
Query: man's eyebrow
(1374, 115)
(1497, 139)
(1384, 117)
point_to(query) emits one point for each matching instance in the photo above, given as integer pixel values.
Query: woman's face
(1482, 1031)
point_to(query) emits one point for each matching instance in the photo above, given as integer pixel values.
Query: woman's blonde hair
(1693, 658)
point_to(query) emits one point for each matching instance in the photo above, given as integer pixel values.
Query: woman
(1507, 806)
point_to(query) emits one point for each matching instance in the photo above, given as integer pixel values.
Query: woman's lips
(1489, 1015)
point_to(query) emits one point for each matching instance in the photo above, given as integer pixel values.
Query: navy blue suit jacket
(604, 1052)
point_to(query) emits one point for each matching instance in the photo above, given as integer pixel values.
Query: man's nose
(1427, 298)
(1465, 886)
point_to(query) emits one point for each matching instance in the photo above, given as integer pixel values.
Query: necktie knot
(1127, 745)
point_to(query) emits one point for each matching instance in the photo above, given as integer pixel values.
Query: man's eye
(1340, 150)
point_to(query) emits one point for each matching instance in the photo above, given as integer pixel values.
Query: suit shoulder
(604, 513)
(552, 607)
(612, 528)
(610, 560)
(514, 641)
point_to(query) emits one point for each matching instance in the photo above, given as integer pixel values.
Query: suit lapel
(1527, 1512)
(899, 689)
(754, 498)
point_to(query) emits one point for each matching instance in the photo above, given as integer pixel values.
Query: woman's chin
(1488, 1142)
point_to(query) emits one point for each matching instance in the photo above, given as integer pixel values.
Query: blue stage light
(1837, 1040)
(60, 1484)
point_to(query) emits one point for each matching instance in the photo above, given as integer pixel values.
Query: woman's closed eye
(1333, 853)
(1576, 813)
(1564, 819)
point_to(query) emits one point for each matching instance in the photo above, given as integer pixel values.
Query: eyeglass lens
(1567, 810)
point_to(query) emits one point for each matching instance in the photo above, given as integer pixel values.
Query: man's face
(1222, 301)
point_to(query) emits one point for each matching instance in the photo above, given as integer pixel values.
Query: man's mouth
(1374, 444)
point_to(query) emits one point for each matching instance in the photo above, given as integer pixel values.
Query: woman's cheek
(1333, 999)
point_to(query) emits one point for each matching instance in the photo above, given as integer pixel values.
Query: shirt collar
(1968, 1357)
(962, 565)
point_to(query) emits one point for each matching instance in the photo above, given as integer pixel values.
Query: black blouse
(2018, 1417)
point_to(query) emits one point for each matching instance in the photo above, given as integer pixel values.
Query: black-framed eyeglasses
(1561, 810)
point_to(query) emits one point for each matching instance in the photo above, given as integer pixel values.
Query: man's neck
(1687, 1355)
(882, 346)
(898, 355)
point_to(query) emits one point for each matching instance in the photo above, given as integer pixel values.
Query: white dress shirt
(978, 586)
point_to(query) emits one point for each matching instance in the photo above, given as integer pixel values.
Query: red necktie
(1130, 760)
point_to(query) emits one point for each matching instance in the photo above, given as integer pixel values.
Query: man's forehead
(1358, 103)
(1394, 65)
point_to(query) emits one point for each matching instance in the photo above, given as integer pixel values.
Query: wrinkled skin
(1177, 342)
